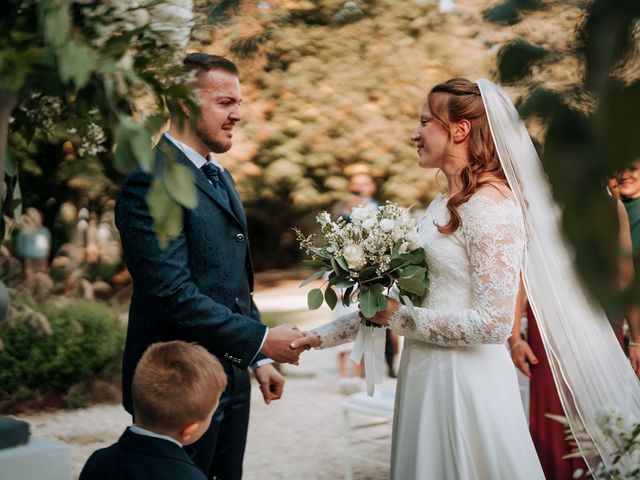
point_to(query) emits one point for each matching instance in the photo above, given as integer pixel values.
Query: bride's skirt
(459, 416)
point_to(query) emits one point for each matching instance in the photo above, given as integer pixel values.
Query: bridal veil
(589, 367)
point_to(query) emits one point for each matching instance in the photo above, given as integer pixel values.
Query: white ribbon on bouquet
(369, 344)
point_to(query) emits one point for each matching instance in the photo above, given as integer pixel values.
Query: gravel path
(300, 435)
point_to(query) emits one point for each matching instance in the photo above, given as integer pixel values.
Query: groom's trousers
(220, 451)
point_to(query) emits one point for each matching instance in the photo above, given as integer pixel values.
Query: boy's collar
(148, 433)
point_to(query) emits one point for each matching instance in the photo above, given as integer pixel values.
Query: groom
(199, 288)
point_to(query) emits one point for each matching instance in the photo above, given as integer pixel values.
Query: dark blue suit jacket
(138, 457)
(199, 288)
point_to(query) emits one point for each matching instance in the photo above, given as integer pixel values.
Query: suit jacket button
(240, 238)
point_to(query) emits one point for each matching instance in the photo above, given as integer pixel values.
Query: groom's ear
(461, 130)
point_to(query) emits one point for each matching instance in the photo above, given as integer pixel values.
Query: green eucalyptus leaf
(56, 24)
(75, 63)
(367, 273)
(368, 303)
(382, 302)
(10, 167)
(413, 271)
(312, 277)
(166, 213)
(179, 182)
(330, 297)
(336, 267)
(133, 146)
(344, 284)
(16, 201)
(411, 285)
(398, 262)
(417, 256)
(346, 296)
(343, 263)
(316, 262)
(140, 142)
(314, 299)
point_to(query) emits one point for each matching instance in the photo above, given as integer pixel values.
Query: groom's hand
(277, 346)
(271, 382)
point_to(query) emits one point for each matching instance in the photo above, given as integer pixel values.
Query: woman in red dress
(548, 435)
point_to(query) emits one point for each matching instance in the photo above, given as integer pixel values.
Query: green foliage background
(87, 339)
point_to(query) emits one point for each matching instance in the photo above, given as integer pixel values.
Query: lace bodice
(473, 273)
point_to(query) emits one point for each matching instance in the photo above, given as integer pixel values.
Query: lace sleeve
(494, 238)
(342, 330)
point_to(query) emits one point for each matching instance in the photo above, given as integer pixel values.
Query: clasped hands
(281, 346)
(289, 342)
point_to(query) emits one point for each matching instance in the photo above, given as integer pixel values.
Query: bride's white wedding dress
(458, 412)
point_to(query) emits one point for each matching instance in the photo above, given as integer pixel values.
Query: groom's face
(220, 99)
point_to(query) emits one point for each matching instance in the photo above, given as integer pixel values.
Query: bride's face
(432, 140)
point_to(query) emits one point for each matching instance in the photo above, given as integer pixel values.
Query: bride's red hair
(459, 99)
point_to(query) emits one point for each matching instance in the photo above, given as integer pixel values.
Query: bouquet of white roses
(375, 251)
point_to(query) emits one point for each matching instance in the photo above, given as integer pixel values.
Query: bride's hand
(522, 356)
(382, 318)
(308, 341)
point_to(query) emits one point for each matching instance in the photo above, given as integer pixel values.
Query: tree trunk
(7, 102)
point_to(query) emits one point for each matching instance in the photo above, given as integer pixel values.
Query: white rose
(360, 214)
(368, 224)
(387, 225)
(414, 243)
(404, 248)
(354, 255)
(323, 218)
(139, 17)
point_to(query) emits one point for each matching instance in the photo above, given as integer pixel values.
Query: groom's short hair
(205, 62)
(202, 62)
(176, 383)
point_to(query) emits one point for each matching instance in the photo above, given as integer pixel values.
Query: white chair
(380, 409)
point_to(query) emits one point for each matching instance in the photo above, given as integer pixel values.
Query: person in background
(629, 190)
(33, 243)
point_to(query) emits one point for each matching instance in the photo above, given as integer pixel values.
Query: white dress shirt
(148, 433)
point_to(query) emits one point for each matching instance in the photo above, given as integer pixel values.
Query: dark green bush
(87, 338)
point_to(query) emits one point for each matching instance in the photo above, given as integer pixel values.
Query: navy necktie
(213, 174)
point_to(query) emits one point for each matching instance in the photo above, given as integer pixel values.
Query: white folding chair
(380, 409)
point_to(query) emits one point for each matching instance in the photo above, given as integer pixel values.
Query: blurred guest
(629, 188)
(33, 242)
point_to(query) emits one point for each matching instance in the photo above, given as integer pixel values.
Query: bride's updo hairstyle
(459, 99)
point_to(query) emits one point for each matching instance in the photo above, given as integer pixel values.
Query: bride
(458, 411)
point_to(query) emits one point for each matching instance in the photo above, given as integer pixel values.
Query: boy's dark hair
(176, 383)
(202, 62)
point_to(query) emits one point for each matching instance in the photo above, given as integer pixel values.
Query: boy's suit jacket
(138, 457)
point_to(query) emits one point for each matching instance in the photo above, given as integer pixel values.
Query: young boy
(176, 388)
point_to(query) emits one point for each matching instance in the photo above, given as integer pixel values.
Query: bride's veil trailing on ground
(588, 364)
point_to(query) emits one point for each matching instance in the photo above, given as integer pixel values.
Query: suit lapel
(236, 204)
(168, 148)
